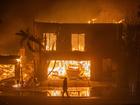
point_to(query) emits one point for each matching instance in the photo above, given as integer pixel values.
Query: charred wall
(100, 39)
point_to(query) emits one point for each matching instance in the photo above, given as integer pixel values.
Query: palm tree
(28, 39)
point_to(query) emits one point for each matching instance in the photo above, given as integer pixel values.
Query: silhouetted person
(65, 87)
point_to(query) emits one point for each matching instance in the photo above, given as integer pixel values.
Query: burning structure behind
(87, 54)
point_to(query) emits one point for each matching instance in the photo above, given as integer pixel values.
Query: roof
(10, 59)
(62, 23)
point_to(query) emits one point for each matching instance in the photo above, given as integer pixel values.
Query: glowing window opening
(78, 42)
(49, 41)
(7, 71)
(73, 69)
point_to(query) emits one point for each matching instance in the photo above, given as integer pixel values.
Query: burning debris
(7, 71)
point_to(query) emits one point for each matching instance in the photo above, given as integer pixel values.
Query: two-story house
(86, 54)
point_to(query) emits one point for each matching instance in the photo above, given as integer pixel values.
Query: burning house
(8, 69)
(86, 54)
(14, 71)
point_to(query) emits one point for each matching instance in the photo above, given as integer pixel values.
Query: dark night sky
(20, 14)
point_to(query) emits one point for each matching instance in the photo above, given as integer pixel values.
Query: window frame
(49, 44)
(82, 42)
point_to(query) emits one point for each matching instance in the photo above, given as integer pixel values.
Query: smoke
(20, 14)
(80, 11)
(70, 11)
(15, 15)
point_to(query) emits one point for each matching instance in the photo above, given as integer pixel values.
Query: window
(78, 42)
(73, 69)
(49, 41)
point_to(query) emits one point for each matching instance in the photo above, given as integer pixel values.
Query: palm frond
(24, 36)
(30, 47)
(36, 40)
(27, 38)
(22, 33)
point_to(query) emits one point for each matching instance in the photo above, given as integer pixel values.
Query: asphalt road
(42, 100)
